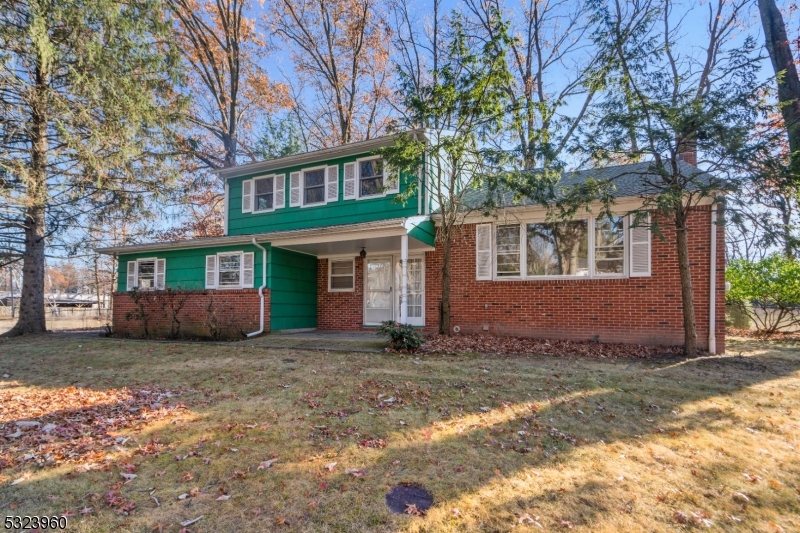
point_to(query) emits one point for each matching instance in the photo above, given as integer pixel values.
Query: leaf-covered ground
(191, 437)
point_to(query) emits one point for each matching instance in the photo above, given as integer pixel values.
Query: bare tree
(340, 51)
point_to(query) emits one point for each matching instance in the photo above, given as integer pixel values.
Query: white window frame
(155, 261)
(358, 179)
(254, 195)
(332, 260)
(241, 271)
(591, 258)
(324, 169)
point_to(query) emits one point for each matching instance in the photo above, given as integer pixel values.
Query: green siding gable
(331, 214)
(186, 268)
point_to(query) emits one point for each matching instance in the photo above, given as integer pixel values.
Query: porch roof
(419, 228)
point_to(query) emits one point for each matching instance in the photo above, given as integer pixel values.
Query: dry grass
(502, 443)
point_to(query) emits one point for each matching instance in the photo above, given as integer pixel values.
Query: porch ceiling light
(362, 253)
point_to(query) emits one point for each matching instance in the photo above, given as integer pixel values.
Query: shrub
(766, 291)
(401, 336)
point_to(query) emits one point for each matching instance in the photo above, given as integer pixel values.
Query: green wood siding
(330, 214)
(293, 290)
(186, 268)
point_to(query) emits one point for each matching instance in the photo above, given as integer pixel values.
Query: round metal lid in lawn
(409, 499)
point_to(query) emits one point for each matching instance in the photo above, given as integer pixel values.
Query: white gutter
(261, 288)
(712, 304)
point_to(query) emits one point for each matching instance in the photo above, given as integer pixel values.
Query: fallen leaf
(224, 497)
(266, 464)
(190, 522)
(331, 466)
(354, 472)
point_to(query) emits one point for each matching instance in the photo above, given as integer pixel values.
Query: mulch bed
(55, 426)
(490, 344)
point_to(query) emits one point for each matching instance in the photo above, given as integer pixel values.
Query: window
(265, 189)
(609, 246)
(146, 274)
(341, 276)
(371, 177)
(591, 247)
(230, 270)
(558, 249)
(314, 186)
(508, 250)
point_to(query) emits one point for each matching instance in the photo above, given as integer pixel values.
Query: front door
(378, 294)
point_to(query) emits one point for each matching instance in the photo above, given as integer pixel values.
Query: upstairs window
(314, 186)
(265, 191)
(371, 177)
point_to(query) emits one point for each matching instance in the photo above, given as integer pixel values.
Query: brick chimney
(687, 151)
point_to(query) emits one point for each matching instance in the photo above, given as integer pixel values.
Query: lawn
(257, 439)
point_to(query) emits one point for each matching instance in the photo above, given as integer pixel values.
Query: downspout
(261, 288)
(712, 304)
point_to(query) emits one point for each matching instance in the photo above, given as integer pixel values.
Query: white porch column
(404, 279)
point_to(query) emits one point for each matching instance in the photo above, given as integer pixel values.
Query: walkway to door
(337, 341)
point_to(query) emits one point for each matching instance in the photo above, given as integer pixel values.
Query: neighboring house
(320, 235)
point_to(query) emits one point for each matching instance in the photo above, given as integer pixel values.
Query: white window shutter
(247, 196)
(483, 251)
(131, 282)
(349, 181)
(279, 182)
(392, 180)
(640, 247)
(161, 273)
(294, 190)
(247, 269)
(211, 271)
(333, 183)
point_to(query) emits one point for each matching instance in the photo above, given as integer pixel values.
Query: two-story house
(316, 240)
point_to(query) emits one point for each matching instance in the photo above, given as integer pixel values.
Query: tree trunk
(687, 289)
(444, 308)
(780, 52)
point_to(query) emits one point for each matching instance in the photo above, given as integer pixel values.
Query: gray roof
(633, 180)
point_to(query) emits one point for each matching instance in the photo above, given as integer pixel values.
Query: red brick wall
(644, 310)
(232, 312)
(340, 310)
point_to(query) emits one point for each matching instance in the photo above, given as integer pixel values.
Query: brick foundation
(222, 314)
(644, 310)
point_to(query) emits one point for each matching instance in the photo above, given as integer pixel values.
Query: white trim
(358, 179)
(330, 273)
(241, 253)
(712, 304)
(303, 171)
(255, 196)
(225, 203)
(136, 273)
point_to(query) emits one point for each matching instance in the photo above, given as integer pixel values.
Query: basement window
(341, 276)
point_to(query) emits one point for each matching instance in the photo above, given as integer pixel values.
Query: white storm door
(415, 290)
(378, 294)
